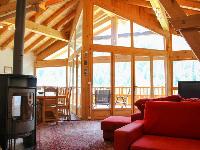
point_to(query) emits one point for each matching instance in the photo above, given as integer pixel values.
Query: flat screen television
(189, 89)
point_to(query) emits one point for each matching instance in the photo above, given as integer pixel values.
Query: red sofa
(110, 124)
(166, 126)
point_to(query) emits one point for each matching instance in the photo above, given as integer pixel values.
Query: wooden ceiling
(49, 22)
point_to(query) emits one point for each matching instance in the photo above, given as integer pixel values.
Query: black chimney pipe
(19, 37)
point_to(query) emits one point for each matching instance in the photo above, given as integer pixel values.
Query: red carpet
(72, 135)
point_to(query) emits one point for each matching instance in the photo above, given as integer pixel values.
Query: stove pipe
(19, 37)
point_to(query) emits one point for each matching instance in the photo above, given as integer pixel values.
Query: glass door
(101, 85)
(122, 85)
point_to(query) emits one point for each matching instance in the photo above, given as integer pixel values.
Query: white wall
(6, 59)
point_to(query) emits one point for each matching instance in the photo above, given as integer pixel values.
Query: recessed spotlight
(1, 27)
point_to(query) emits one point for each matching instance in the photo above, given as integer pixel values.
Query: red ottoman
(110, 124)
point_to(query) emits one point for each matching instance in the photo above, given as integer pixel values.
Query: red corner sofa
(166, 126)
(110, 124)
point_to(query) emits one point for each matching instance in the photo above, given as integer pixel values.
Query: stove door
(21, 110)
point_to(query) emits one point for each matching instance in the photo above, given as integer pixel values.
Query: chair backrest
(175, 119)
(50, 91)
(102, 97)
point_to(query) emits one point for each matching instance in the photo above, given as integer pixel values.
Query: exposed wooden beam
(192, 36)
(160, 14)
(192, 21)
(128, 50)
(135, 13)
(182, 55)
(56, 27)
(40, 29)
(147, 4)
(51, 49)
(51, 63)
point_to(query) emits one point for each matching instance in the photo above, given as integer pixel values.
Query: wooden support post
(168, 66)
(86, 56)
(133, 82)
(132, 34)
(151, 77)
(112, 74)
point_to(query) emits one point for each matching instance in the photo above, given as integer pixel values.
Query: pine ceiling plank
(51, 49)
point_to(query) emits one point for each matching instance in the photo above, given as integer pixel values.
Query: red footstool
(110, 124)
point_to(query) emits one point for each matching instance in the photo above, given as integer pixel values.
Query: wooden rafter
(160, 14)
(192, 21)
(67, 5)
(44, 46)
(51, 63)
(192, 36)
(51, 49)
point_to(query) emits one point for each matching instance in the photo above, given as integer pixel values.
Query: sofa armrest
(126, 135)
(137, 116)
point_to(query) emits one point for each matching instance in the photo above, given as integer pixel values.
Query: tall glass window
(145, 38)
(179, 43)
(186, 70)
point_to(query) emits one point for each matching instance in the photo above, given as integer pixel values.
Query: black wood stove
(17, 110)
(18, 94)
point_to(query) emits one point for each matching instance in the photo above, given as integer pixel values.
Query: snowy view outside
(145, 38)
(187, 70)
(179, 43)
(51, 76)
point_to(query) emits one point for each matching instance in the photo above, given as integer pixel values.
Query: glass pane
(74, 87)
(79, 32)
(123, 33)
(101, 81)
(158, 76)
(142, 77)
(122, 81)
(102, 26)
(186, 70)
(51, 76)
(145, 38)
(79, 86)
(179, 43)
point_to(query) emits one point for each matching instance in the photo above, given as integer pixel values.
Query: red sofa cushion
(114, 122)
(149, 142)
(173, 119)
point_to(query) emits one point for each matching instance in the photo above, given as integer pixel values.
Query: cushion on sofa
(140, 104)
(173, 119)
(114, 122)
(150, 142)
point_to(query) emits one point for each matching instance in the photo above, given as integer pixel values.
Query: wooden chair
(64, 103)
(50, 105)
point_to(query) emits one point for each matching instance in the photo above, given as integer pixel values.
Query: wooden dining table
(40, 101)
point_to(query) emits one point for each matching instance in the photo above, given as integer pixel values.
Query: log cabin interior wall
(90, 37)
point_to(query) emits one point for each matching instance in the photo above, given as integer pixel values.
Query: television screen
(189, 89)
